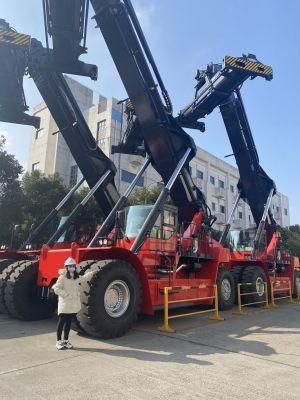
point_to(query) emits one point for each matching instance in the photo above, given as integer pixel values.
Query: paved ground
(253, 357)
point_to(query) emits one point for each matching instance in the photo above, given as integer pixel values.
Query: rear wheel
(21, 294)
(256, 279)
(6, 268)
(110, 300)
(237, 272)
(296, 286)
(226, 291)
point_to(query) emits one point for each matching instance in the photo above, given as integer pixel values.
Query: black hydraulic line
(228, 223)
(77, 209)
(254, 183)
(51, 215)
(262, 224)
(158, 206)
(148, 53)
(165, 141)
(92, 162)
(110, 219)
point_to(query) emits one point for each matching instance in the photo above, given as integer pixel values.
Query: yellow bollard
(290, 291)
(240, 311)
(166, 327)
(267, 295)
(216, 309)
(272, 296)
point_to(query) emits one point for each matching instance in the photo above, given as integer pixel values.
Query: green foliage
(291, 239)
(41, 194)
(28, 201)
(11, 195)
(145, 196)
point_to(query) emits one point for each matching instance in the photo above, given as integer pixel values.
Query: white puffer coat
(68, 293)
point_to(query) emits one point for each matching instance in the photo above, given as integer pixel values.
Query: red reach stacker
(140, 250)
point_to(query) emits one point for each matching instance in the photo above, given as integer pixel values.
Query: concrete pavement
(253, 357)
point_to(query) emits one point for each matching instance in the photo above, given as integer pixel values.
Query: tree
(41, 194)
(11, 196)
(145, 196)
(291, 239)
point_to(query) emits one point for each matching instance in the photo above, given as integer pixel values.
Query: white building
(216, 178)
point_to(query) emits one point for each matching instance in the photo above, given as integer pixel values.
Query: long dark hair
(75, 274)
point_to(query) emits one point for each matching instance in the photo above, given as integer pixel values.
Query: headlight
(105, 242)
(100, 242)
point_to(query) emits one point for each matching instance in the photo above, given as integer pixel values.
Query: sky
(184, 36)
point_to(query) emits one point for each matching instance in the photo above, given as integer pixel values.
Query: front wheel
(254, 280)
(110, 300)
(226, 289)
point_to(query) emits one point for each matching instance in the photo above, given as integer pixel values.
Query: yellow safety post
(240, 311)
(166, 327)
(216, 309)
(240, 305)
(290, 297)
(272, 295)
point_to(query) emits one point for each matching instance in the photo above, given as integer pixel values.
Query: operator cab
(243, 240)
(132, 218)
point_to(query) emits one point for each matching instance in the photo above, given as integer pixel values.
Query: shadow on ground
(235, 335)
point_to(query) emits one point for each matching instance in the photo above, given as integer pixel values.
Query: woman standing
(67, 289)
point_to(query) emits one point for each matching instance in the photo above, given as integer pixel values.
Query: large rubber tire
(5, 263)
(94, 318)
(256, 276)
(87, 266)
(21, 294)
(237, 272)
(296, 285)
(226, 289)
(10, 266)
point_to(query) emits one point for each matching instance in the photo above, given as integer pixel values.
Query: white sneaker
(60, 345)
(67, 344)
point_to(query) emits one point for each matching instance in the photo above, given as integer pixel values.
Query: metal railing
(240, 295)
(278, 290)
(166, 327)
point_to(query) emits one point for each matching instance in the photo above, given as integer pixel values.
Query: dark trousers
(64, 324)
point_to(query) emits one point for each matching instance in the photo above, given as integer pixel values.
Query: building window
(277, 209)
(249, 216)
(285, 211)
(212, 180)
(73, 175)
(222, 209)
(232, 188)
(116, 115)
(191, 170)
(128, 177)
(199, 174)
(240, 215)
(213, 206)
(101, 125)
(221, 184)
(39, 133)
(35, 167)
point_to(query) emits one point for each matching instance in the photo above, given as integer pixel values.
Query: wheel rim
(116, 298)
(226, 289)
(260, 286)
